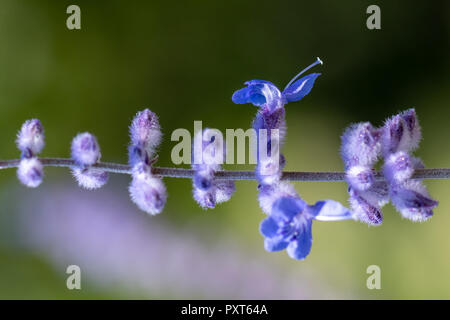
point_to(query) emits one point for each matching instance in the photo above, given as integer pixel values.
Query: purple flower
(401, 133)
(289, 225)
(86, 152)
(147, 191)
(270, 193)
(207, 190)
(270, 119)
(366, 205)
(360, 151)
(401, 136)
(30, 141)
(30, 172)
(145, 130)
(360, 145)
(90, 178)
(85, 149)
(399, 167)
(262, 93)
(413, 201)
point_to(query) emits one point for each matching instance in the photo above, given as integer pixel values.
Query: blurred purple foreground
(119, 249)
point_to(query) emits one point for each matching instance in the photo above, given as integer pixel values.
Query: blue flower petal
(268, 228)
(287, 208)
(250, 94)
(275, 244)
(329, 210)
(258, 93)
(301, 246)
(300, 88)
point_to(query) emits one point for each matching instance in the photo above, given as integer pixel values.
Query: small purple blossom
(360, 145)
(85, 149)
(30, 172)
(399, 167)
(262, 93)
(30, 139)
(366, 205)
(207, 190)
(145, 135)
(269, 193)
(401, 136)
(270, 119)
(412, 200)
(289, 225)
(360, 151)
(396, 140)
(401, 133)
(147, 191)
(86, 152)
(90, 178)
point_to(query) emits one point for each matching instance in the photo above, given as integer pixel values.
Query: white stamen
(318, 61)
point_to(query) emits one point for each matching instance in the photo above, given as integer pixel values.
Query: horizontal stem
(225, 175)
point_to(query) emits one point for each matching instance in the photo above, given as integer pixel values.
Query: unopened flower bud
(401, 133)
(360, 177)
(30, 172)
(148, 193)
(412, 200)
(85, 149)
(30, 139)
(146, 131)
(90, 178)
(398, 167)
(360, 145)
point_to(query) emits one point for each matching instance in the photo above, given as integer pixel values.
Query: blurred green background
(183, 60)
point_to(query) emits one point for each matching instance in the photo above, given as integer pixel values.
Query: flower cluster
(86, 153)
(289, 222)
(208, 155)
(146, 190)
(360, 151)
(401, 136)
(362, 145)
(30, 141)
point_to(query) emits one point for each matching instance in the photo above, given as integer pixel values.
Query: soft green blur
(183, 60)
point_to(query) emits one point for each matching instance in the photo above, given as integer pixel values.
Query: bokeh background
(184, 60)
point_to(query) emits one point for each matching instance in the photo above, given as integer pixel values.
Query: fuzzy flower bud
(224, 190)
(145, 131)
(30, 172)
(360, 177)
(85, 149)
(148, 192)
(399, 167)
(360, 145)
(401, 133)
(401, 136)
(207, 156)
(86, 152)
(366, 205)
(360, 150)
(412, 200)
(90, 178)
(30, 139)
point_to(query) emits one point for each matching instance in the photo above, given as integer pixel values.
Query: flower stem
(225, 175)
